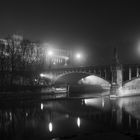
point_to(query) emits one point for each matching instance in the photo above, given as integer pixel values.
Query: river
(86, 118)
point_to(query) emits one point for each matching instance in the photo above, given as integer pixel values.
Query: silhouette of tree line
(18, 59)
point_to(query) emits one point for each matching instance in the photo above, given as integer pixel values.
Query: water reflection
(78, 122)
(50, 126)
(130, 105)
(54, 119)
(100, 103)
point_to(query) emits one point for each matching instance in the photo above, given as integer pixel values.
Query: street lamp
(78, 56)
(50, 53)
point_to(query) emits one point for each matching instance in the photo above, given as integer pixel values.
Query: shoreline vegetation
(43, 92)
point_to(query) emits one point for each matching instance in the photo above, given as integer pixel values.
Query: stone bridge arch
(132, 84)
(130, 87)
(75, 77)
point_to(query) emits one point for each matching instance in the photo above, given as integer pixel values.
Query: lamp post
(50, 54)
(79, 57)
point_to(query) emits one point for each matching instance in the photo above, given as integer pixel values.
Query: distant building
(60, 57)
(34, 53)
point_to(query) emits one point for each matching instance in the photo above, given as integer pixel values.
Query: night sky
(95, 27)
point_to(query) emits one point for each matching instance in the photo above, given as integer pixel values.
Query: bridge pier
(117, 79)
(117, 76)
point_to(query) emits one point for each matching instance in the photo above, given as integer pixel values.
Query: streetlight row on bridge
(56, 58)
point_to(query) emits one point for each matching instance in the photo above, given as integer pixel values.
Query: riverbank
(30, 96)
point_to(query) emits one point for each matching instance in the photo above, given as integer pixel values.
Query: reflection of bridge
(116, 76)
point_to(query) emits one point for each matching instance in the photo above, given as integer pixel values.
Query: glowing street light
(50, 126)
(42, 75)
(50, 53)
(78, 56)
(79, 59)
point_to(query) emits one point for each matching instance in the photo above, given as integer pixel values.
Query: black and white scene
(69, 70)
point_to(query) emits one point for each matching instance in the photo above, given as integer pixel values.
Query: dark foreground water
(94, 118)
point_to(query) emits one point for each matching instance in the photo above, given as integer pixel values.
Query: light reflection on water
(78, 122)
(66, 118)
(50, 126)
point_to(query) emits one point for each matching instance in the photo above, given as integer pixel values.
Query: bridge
(31, 70)
(120, 79)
